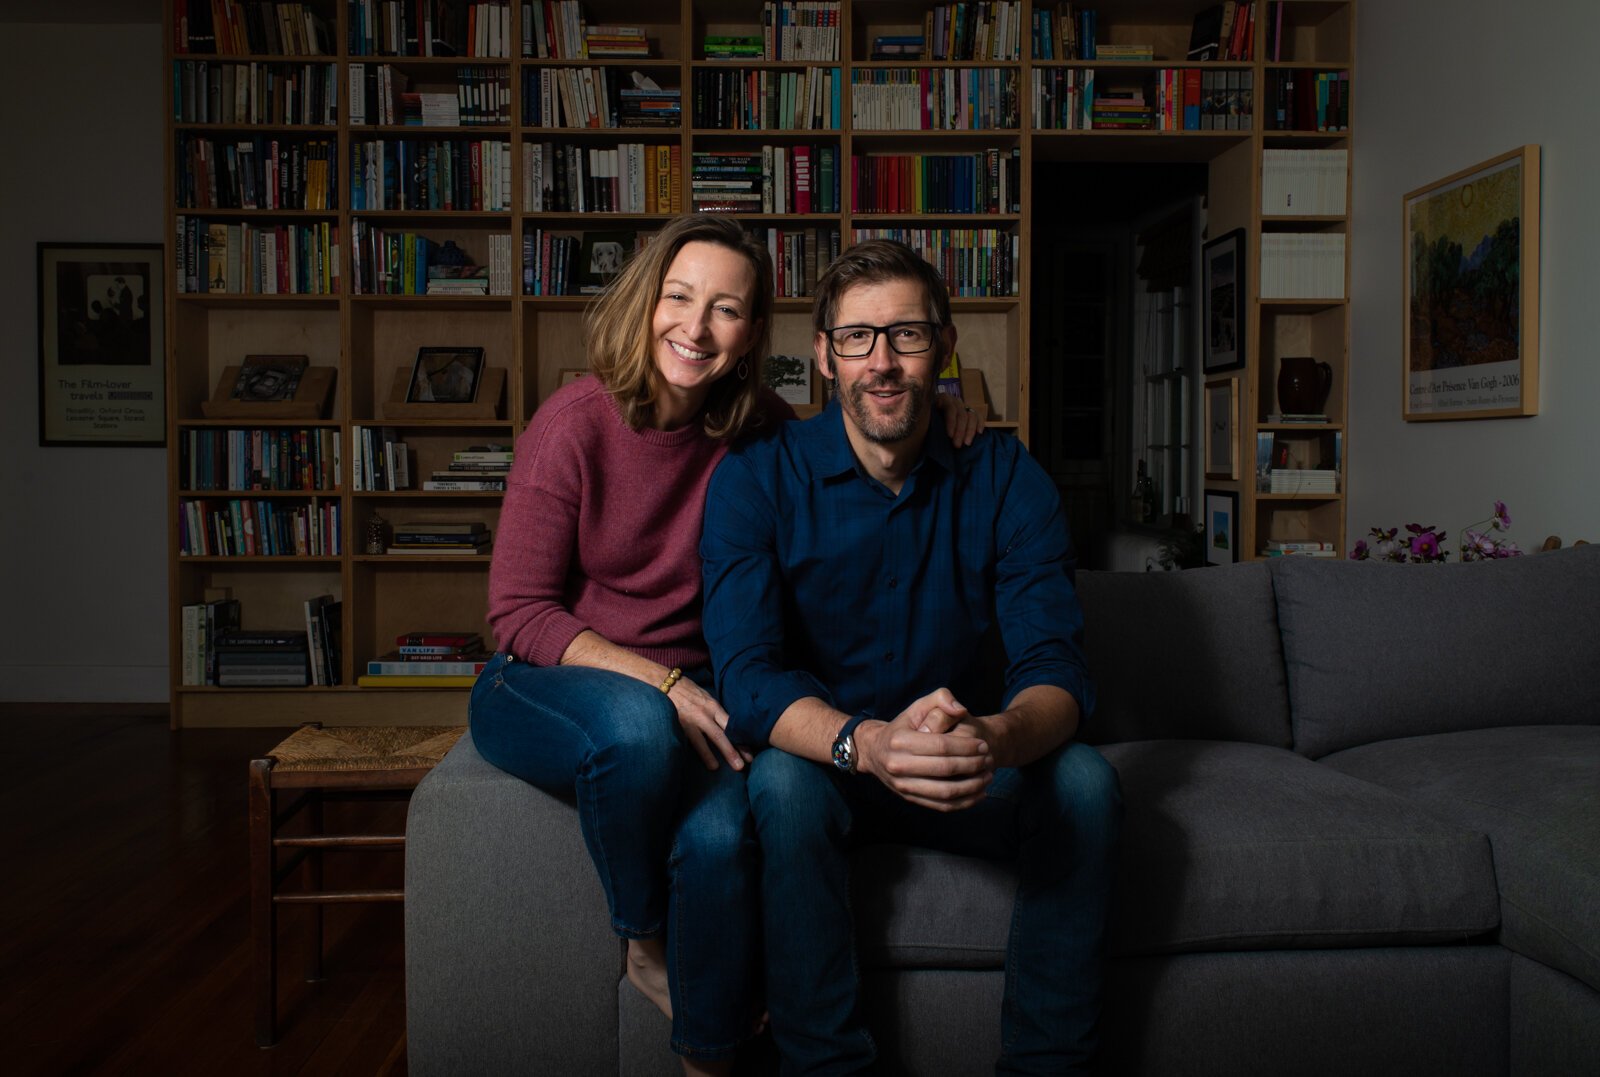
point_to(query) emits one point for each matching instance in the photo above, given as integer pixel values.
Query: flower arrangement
(1425, 544)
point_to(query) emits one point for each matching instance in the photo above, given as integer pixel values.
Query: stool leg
(263, 912)
(314, 878)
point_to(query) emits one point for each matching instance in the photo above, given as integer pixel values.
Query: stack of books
(475, 468)
(262, 659)
(1124, 52)
(645, 106)
(1303, 548)
(897, 47)
(446, 537)
(428, 660)
(724, 182)
(1123, 111)
(608, 40)
(1303, 480)
(458, 280)
(733, 47)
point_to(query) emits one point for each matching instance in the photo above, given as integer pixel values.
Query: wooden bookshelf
(367, 335)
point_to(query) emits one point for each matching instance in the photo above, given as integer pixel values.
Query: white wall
(1440, 86)
(82, 530)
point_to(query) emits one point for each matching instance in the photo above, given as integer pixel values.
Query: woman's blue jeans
(672, 841)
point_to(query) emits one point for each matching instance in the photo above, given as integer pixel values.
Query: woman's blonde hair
(621, 340)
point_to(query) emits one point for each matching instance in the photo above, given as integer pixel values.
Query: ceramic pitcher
(1303, 385)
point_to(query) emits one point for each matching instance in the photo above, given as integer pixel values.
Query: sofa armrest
(511, 963)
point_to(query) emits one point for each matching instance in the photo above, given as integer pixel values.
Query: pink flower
(1425, 547)
(1502, 518)
(1359, 552)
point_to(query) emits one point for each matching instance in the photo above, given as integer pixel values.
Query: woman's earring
(744, 370)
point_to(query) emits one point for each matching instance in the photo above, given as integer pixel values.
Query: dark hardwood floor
(125, 947)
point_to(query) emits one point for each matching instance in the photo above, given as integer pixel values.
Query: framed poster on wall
(102, 370)
(1223, 293)
(1222, 527)
(1471, 273)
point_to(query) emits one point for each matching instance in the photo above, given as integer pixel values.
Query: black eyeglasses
(906, 338)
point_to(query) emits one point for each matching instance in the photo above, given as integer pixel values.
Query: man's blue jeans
(672, 841)
(1057, 818)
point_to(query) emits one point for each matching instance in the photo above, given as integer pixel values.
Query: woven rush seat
(318, 764)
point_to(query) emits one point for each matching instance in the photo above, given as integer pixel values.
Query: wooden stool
(345, 763)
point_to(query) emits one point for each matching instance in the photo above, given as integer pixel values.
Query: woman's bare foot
(647, 971)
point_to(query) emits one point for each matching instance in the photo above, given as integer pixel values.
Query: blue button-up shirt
(820, 581)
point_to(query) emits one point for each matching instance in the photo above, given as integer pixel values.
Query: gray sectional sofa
(1362, 836)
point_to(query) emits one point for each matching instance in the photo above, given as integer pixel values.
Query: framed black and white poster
(445, 376)
(1223, 293)
(102, 371)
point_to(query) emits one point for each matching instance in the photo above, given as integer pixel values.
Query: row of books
(442, 538)
(231, 28)
(209, 91)
(934, 99)
(247, 259)
(259, 172)
(593, 97)
(555, 29)
(629, 178)
(430, 174)
(799, 255)
(379, 459)
(773, 179)
(975, 262)
(803, 30)
(1304, 182)
(307, 458)
(1225, 31)
(760, 100)
(407, 28)
(549, 263)
(986, 30)
(1300, 100)
(245, 527)
(989, 181)
(1301, 481)
(1302, 265)
(383, 94)
(268, 658)
(200, 624)
(428, 659)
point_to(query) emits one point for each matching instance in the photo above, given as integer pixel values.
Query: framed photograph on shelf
(1222, 273)
(269, 378)
(789, 376)
(1471, 273)
(1222, 429)
(102, 365)
(445, 376)
(601, 256)
(1222, 527)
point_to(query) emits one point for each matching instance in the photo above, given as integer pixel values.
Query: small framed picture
(269, 378)
(1223, 291)
(445, 376)
(1222, 426)
(601, 256)
(790, 377)
(1222, 527)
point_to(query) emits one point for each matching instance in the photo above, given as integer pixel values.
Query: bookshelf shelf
(369, 337)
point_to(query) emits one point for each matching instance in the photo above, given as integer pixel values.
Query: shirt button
(888, 656)
(894, 582)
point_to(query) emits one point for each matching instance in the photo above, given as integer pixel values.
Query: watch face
(844, 751)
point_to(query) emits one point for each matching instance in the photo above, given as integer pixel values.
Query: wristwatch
(844, 745)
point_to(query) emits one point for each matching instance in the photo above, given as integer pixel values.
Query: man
(858, 571)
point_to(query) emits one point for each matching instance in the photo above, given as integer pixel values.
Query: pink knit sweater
(600, 529)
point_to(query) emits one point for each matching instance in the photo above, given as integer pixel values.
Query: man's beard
(887, 430)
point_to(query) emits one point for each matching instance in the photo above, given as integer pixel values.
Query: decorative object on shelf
(569, 374)
(445, 376)
(1142, 506)
(1303, 385)
(789, 376)
(269, 379)
(1221, 527)
(1223, 288)
(1426, 544)
(377, 534)
(1222, 425)
(1471, 348)
(102, 377)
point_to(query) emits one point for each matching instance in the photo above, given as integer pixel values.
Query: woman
(600, 686)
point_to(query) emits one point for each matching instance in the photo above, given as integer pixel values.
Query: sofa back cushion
(1189, 655)
(1376, 651)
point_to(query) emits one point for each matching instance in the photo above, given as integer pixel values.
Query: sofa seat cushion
(1535, 791)
(1378, 651)
(1242, 847)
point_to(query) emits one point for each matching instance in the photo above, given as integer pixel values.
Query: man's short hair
(877, 261)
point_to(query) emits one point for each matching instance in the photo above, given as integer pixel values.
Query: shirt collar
(828, 453)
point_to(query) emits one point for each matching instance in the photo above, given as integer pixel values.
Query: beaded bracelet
(672, 678)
